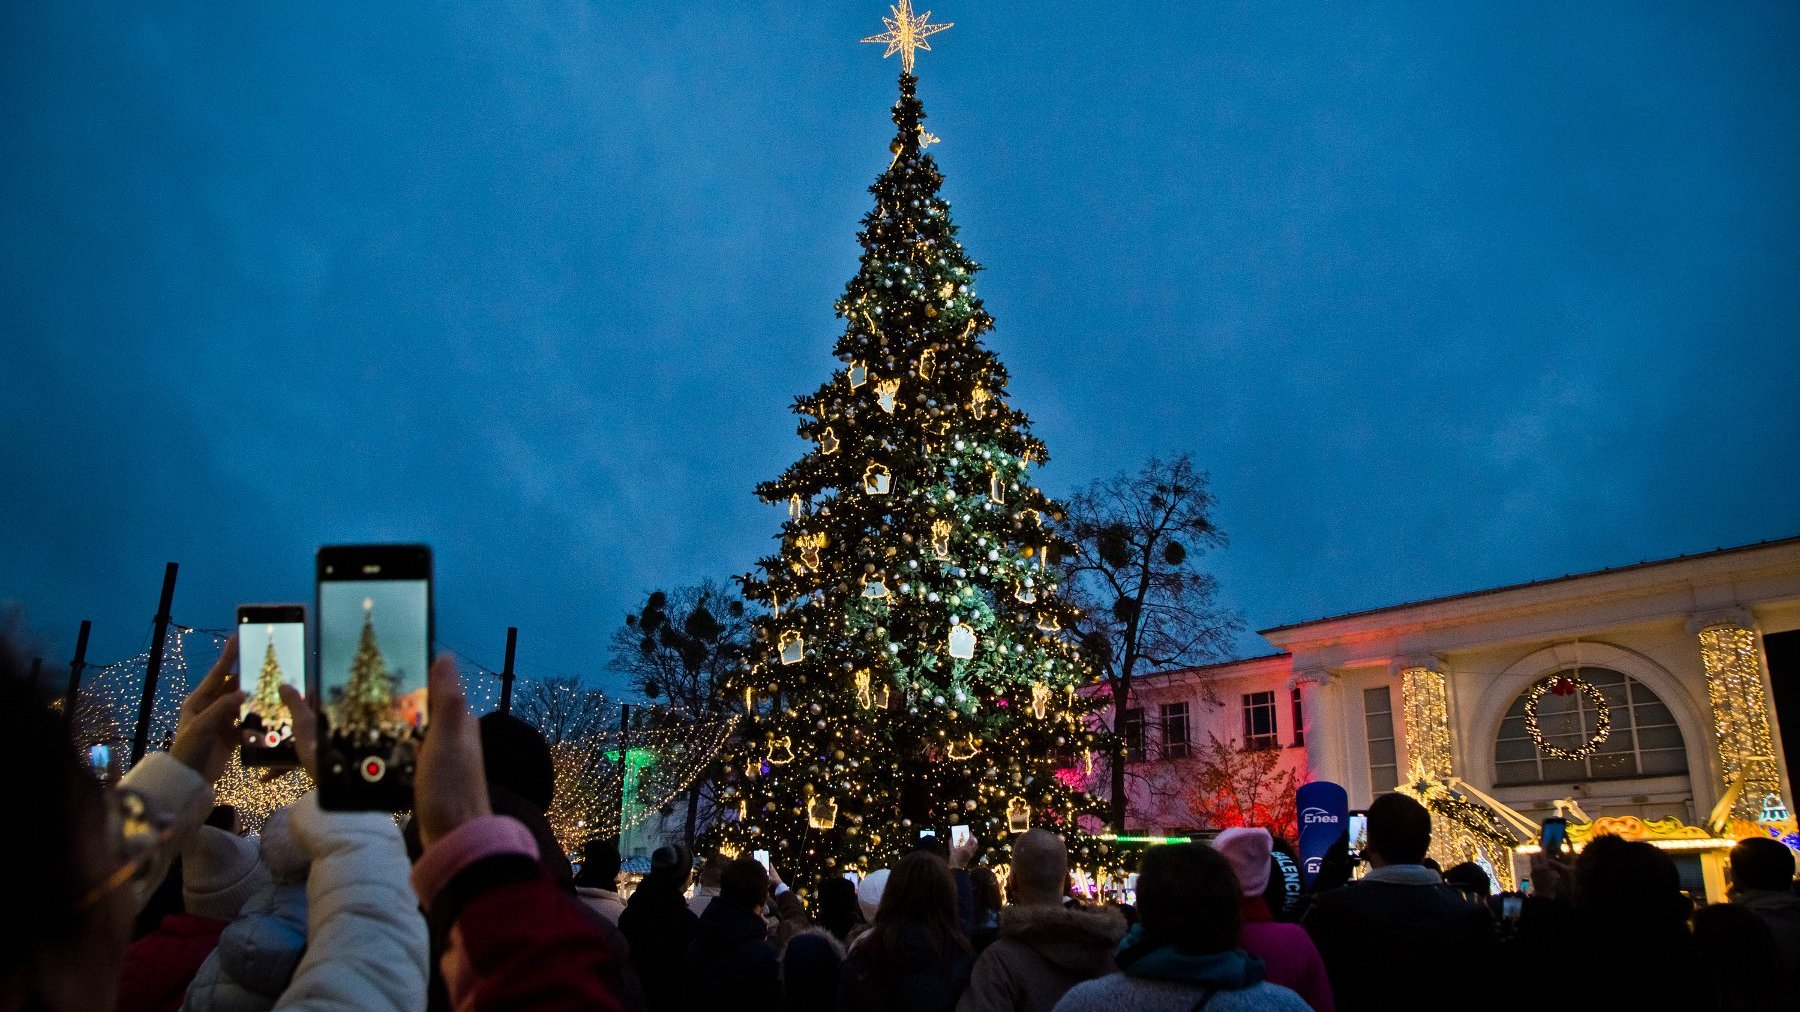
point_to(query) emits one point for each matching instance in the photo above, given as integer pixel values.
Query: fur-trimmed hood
(1080, 940)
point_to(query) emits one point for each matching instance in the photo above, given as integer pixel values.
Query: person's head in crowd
(1758, 862)
(834, 906)
(1399, 831)
(1285, 882)
(810, 965)
(1740, 959)
(1248, 850)
(516, 758)
(987, 889)
(713, 868)
(1630, 885)
(73, 898)
(868, 892)
(599, 866)
(919, 899)
(745, 882)
(1471, 878)
(1187, 898)
(671, 869)
(226, 817)
(1040, 869)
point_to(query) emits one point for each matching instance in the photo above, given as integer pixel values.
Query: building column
(1461, 830)
(1732, 659)
(1426, 710)
(1324, 743)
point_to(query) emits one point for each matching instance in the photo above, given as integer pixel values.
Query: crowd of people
(144, 896)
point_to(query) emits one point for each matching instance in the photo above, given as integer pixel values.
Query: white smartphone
(958, 834)
(762, 858)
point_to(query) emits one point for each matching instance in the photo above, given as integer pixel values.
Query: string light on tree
(916, 632)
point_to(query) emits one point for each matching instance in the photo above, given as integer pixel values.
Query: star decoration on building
(906, 33)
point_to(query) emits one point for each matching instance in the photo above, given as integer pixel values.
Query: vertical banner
(1323, 807)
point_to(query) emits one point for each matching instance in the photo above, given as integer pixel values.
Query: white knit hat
(868, 893)
(219, 872)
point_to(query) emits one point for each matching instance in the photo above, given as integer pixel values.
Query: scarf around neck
(1229, 970)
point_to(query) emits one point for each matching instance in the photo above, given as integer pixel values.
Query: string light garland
(1740, 708)
(1602, 717)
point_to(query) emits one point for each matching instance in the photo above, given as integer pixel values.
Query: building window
(1299, 720)
(1134, 734)
(1378, 722)
(1644, 741)
(1175, 730)
(1259, 720)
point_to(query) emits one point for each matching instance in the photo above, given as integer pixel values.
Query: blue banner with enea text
(1323, 808)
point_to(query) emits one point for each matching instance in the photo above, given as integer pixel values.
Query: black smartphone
(374, 648)
(1554, 837)
(271, 653)
(1359, 835)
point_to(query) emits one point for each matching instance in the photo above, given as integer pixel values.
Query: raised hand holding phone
(206, 728)
(451, 787)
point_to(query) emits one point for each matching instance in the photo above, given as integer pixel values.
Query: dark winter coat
(915, 981)
(1400, 939)
(159, 966)
(1039, 954)
(1781, 912)
(730, 964)
(660, 927)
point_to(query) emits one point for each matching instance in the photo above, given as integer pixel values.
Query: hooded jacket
(1154, 977)
(730, 963)
(1041, 952)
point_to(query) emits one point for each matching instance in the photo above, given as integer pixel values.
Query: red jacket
(515, 939)
(159, 966)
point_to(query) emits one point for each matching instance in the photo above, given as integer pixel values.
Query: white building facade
(1673, 657)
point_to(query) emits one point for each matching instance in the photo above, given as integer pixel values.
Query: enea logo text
(1317, 817)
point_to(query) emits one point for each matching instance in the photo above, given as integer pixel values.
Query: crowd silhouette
(144, 895)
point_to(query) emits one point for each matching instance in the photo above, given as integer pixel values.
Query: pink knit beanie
(1248, 851)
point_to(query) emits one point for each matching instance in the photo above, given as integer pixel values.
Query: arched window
(1645, 742)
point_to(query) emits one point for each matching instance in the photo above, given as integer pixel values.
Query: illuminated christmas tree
(914, 670)
(266, 701)
(368, 699)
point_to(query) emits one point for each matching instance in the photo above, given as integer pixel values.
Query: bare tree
(1145, 603)
(564, 709)
(681, 648)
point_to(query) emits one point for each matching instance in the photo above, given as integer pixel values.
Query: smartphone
(373, 650)
(1554, 837)
(958, 834)
(928, 836)
(271, 653)
(1359, 835)
(1511, 906)
(762, 858)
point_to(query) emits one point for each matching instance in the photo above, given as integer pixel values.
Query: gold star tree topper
(907, 32)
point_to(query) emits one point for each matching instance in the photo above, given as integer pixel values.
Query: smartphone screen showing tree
(374, 609)
(271, 653)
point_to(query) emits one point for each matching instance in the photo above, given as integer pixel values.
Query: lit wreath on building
(1563, 685)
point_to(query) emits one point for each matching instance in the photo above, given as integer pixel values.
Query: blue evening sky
(1444, 295)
